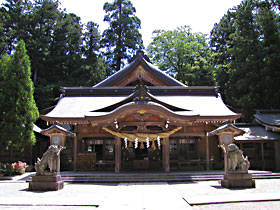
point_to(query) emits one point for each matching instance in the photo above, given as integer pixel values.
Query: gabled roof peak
(140, 54)
(227, 127)
(139, 68)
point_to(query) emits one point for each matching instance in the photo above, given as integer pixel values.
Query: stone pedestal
(238, 180)
(46, 183)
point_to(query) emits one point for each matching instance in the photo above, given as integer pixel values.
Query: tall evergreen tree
(91, 38)
(18, 108)
(94, 64)
(247, 50)
(122, 38)
(56, 43)
(221, 43)
(245, 68)
(14, 18)
(270, 38)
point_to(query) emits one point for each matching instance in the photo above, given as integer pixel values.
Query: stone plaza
(204, 195)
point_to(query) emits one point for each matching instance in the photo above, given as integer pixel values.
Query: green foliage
(182, 54)
(122, 39)
(94, 67)
(243, 60)
(18, 109)
(14, 17)
(246, 43)
(220, 42)
(270, 30)
(63, 51)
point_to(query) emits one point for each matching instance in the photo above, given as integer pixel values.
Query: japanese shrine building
(140, 119)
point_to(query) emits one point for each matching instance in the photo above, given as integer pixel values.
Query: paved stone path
(211, 192)
(272, 205)
(138, 196)
(149, 196)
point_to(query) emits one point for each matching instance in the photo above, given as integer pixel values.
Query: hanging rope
(142, 137)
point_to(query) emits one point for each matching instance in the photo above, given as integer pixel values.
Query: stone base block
(46, 178)
(238, 181)
(237, 176)
(46, 183)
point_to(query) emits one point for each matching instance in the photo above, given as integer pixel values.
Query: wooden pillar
(117, 155)
(207, 150)
(165, 155)
(207, 153)
(75, 143)
(263, 162)
(276, 155)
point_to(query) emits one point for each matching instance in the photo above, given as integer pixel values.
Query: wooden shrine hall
(139, 119)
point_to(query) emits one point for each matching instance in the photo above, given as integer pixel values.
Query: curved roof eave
(134, 107)
(137, 92)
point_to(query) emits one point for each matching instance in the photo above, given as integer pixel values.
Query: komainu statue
(236, 160)
(49, 159)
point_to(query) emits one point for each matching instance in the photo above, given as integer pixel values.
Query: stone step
(164, 177)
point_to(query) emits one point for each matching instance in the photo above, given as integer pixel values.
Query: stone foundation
(238, 180)
(46, 183)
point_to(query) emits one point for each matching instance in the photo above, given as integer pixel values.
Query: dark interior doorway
(141, 158)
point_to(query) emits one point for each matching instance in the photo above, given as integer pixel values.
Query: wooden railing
(86, 161)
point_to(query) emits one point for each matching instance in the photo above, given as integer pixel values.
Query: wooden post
(75, 153)
(263, 162)
(207, 153)
(276, 156)
(165, 155)
(226, 161)
(117, 155)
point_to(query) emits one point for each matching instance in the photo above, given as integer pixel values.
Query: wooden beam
(96, 135)
(123, 124)
(199, 133)
(177, 134)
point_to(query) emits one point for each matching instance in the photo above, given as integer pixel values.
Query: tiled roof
(256, 133)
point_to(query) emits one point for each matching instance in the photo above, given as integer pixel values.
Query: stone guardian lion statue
(49, 159)
(236, 160)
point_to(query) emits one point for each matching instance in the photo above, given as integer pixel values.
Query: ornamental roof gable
(140, 95)
(139, 71)
(229, 127)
